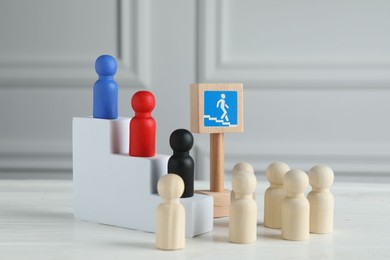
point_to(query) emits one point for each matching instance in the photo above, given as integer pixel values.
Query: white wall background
(316, 76)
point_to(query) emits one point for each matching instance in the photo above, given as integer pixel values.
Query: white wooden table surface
(36, 222)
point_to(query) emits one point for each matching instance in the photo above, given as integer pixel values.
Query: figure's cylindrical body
(295, 218)
(321, 211)
(273, 198)
(142, 136)
(105, 99)
(217, 161)
(183, 165)
(170, 226)
(243, 221)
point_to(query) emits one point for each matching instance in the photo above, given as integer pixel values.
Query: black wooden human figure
(181, 163)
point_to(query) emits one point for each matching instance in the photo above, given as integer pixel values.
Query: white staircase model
(113, 188)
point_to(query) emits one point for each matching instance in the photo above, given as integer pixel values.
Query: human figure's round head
(181, 140)
(223, 96)
(243, 166)
(244, 183)
(105, 65)
(276, 171)
(321, 177)
(143, 102)
(170, 186)
(296, 181)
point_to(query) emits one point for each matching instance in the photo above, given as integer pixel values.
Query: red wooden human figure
(142, 125)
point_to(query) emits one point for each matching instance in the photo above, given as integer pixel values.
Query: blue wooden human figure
(105, 90)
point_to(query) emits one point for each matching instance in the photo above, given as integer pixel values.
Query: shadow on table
(270, 233)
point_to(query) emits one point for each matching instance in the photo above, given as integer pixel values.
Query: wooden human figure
(181, 163)
(236, 169)
(170, 214)
(243, 210)
(295, 207)
(321, 199)
(142, 125)
(105, 90)
(275, 194)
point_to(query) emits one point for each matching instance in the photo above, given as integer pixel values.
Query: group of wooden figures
(285, 205)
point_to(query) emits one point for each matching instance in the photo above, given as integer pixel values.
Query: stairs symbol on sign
(222, 122)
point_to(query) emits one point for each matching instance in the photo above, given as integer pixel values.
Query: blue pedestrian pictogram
(220, 108)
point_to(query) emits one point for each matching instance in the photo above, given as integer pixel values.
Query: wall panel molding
(49, 71)
(39, 155)
(217, 64)
(346, 160)
(23, 152)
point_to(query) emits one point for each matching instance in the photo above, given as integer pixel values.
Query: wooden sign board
(216, 108)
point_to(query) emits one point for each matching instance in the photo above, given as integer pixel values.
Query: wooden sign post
(217, 109)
